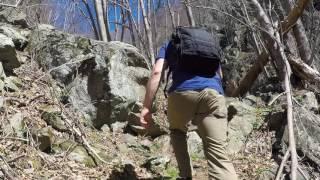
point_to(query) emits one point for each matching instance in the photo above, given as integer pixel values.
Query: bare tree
(189, 13)
(90, 18)
(171, 14)
(299, 34)
(105, 5)
(101, 21)
(146, 23)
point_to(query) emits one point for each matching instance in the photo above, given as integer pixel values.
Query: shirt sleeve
(162, 52)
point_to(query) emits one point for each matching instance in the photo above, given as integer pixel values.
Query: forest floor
(22, 159)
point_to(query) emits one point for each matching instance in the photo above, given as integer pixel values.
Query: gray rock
(195, 146)
(123, 148)
(110, 77)
(125, 170)
(118, 127)
(44, 137)
(307, 134)
(52, 116)
(130, 139)
(270, 174)
(306, 125)
(12, 83)
(76, 152)
(157, 164)
(19, 41)
(153, 130)
(105, 128)
(162, 145)
(242, 120)
(16, 125)
(8, 55)
(13, 16)
(308, 99)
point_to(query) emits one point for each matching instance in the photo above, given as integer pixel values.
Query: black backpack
(195, 50)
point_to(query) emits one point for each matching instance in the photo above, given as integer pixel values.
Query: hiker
(196, 95)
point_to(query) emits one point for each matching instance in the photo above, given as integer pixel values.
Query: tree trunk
(133, 38)
(116, 30)
(148, 31)
(189, 13)
(105, 4)
(140, 38)
(171, 14)
(275, 47)
(123, 17)
(154, 25)
(100, 20)
(93, 24)
(299, 34)
(254, 71)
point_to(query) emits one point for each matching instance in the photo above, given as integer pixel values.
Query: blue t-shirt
(183, 81)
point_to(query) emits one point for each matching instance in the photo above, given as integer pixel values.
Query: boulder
(75, 152)
(195, 146)
(126, 170)
(157, 164)
(19, 41)
(118, 127)
(52, 116)
(306, 125)
(307, 134)
(162, 145)
(44, 138)
(242, 121)
(105, 79)
(154, 129)
(16, 125)
(8, 55)
(308, 99)
(78, 153)
(13, 16)
(12, 83)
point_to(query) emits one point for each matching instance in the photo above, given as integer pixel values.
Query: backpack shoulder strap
(167, 81)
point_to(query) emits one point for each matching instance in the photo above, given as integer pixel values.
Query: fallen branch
(303, 70)
(293, 16)
(275, 98)
(274, 45)
(256, 69)
(11, 5)
(16, 158)
(4, 167)
(283, 162)
(247, 81)
(83, 138)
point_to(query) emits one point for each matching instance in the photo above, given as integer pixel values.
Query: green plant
(171, 172)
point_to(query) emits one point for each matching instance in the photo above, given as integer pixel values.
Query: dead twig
(34, 98)
(16, 158)
(85, 142)
(283, 162)
(14, 138)
(5, 168)
(275, 98)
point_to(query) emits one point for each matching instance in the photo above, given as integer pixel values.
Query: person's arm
(151, 90)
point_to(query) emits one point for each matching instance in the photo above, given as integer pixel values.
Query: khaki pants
(207, 110)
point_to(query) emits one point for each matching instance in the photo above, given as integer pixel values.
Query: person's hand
(145, 117)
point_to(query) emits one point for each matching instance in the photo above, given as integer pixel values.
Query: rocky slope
(69, 109)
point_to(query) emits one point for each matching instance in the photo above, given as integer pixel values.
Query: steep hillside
(69, 109)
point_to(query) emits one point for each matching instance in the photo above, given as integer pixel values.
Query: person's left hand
(145, 117)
